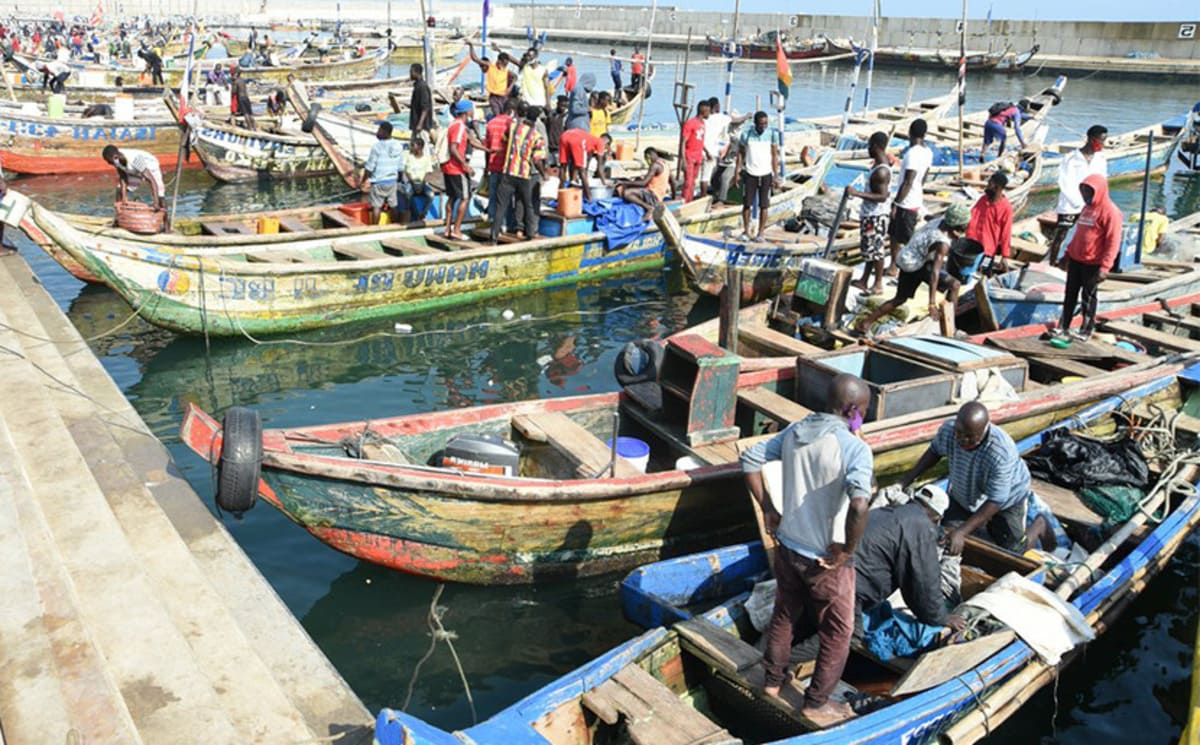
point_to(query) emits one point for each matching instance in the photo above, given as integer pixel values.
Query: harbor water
(371, 622)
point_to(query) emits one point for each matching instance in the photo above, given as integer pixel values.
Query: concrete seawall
(1075, 38)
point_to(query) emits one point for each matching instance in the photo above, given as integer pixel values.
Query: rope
(438, 632)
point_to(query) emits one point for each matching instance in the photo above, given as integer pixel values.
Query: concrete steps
(197, 644)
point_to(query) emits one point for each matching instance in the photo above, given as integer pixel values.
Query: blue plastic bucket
(636, 451)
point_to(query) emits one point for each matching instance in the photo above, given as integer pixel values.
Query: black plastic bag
(1073, 461)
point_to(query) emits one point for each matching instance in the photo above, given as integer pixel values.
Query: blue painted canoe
(1125, 152)
(668, 591)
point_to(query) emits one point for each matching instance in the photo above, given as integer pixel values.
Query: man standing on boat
(382, 170)
(989, 482)
(827, 473)
(134, 167)
(910, 198)
(1072, 170)
(420, 106)
(239, 99)
(1090, 255)
(999, 117)
(691, 142)
(524, 158)
(757, 169)
(716, 150)
(637, 68)
(874, 213)
(497, 78)
(579, 105)
(575, 152)
(54, 74)
(614, 69)
(456, 171)
(992, 221)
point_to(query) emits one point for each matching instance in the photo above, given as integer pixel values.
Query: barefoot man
(827, 474)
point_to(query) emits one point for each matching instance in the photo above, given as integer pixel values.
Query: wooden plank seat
(780, 408)
(278, 256)
(293, 224)
(1152, 338)
(1056, 368)
(653, 714)
(339, 219)
(358, 253)
(1182, 325)
(743, 664)
(449, 244)
(587, 452)
(1066, 505)
(215, 227)
(407, 247)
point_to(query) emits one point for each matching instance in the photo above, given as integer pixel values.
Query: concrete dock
(130, 614)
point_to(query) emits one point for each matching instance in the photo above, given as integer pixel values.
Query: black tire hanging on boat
(638, 362)
(310, 119)
(240, 465)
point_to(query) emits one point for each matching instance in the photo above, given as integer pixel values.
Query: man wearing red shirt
(575, 150)
(456, 172)
(495, 139)
(992, 221)
(692, 139)
(1091, 254)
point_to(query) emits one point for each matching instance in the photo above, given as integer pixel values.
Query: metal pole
(637, 136)
(871, 59)
(858, 60)
(962, 84)
(732, 52)
(1145, 197)
(426, 56)
(683, 109)
(483, 43)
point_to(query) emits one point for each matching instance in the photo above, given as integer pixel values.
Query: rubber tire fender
(240, 465)
(310, 119)
(649, 373)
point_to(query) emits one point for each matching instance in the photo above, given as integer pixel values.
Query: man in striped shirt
(524, 154)
(989, 482)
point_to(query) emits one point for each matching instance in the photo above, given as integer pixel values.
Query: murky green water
(1132, 685)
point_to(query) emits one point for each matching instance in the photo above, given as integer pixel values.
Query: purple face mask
(853, 417)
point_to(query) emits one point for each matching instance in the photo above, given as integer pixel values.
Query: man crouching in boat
(827, 473)
(989, 482)
(133, 167)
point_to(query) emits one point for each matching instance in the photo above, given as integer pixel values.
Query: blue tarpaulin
(889, 634)
(620, 221)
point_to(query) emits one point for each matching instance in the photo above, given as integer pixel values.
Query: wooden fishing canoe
(623, 114)
(556, 517)
(233, 153)
(712, 588)
(38, 144)
(929, 58)
(308, 70)
(277, 284)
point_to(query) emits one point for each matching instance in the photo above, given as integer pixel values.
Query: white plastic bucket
(123, 107)
(687, 463)
(636, 451)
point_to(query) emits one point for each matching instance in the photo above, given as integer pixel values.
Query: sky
(1072, 10)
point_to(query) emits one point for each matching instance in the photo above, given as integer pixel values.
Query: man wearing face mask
(989, 482)
(1090, 256)
(827, 472)
(1075, 167)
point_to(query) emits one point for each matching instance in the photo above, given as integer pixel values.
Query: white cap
(933, 497)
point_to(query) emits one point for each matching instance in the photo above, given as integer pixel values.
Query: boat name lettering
(235, 288)
(378, 282)
(305, 287)
(444, 274)
(260, 143)
(111, 134)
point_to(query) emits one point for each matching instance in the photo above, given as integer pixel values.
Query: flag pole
(962, 83)
(858, 60)
(637, 136)
(732, 53)
(871, 59)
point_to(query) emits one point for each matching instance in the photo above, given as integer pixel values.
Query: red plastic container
(360, 211)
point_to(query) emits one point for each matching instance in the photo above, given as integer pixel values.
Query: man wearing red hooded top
(1091, 254)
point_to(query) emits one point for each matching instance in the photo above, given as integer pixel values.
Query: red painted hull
(48, 165)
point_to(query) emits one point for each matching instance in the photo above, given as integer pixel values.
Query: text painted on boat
(41, 130)
(423, 276)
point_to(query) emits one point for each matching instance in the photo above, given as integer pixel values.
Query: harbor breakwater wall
(1176, 40)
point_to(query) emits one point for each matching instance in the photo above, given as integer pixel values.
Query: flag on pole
(185, 86)
(782, 70)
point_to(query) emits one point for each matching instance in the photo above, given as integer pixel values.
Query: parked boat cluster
(966, 305)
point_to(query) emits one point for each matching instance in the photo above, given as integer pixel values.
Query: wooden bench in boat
(450, 244)
(278, 256)
(1152, 338)
(213, 227)
(407, 247)
(1061, 367)
(743, 664)
(586, 451)
(358, 253)
(339, 219)
(292, 224)
(780, 408)
(653, 714)
(1181, 325)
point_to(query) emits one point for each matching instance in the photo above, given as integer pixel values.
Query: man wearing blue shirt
(614, 68)
(383, 167)
(827, 473)
(989, 482)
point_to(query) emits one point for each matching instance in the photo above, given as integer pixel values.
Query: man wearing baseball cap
(927, 259)
(456, 172)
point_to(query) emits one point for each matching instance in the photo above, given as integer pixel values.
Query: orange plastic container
(624, 151)
(360, 211)
(570, 202)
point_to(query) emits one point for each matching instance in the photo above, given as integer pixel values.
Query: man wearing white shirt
(910, 198)
(716, 142)
(1074, 168)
